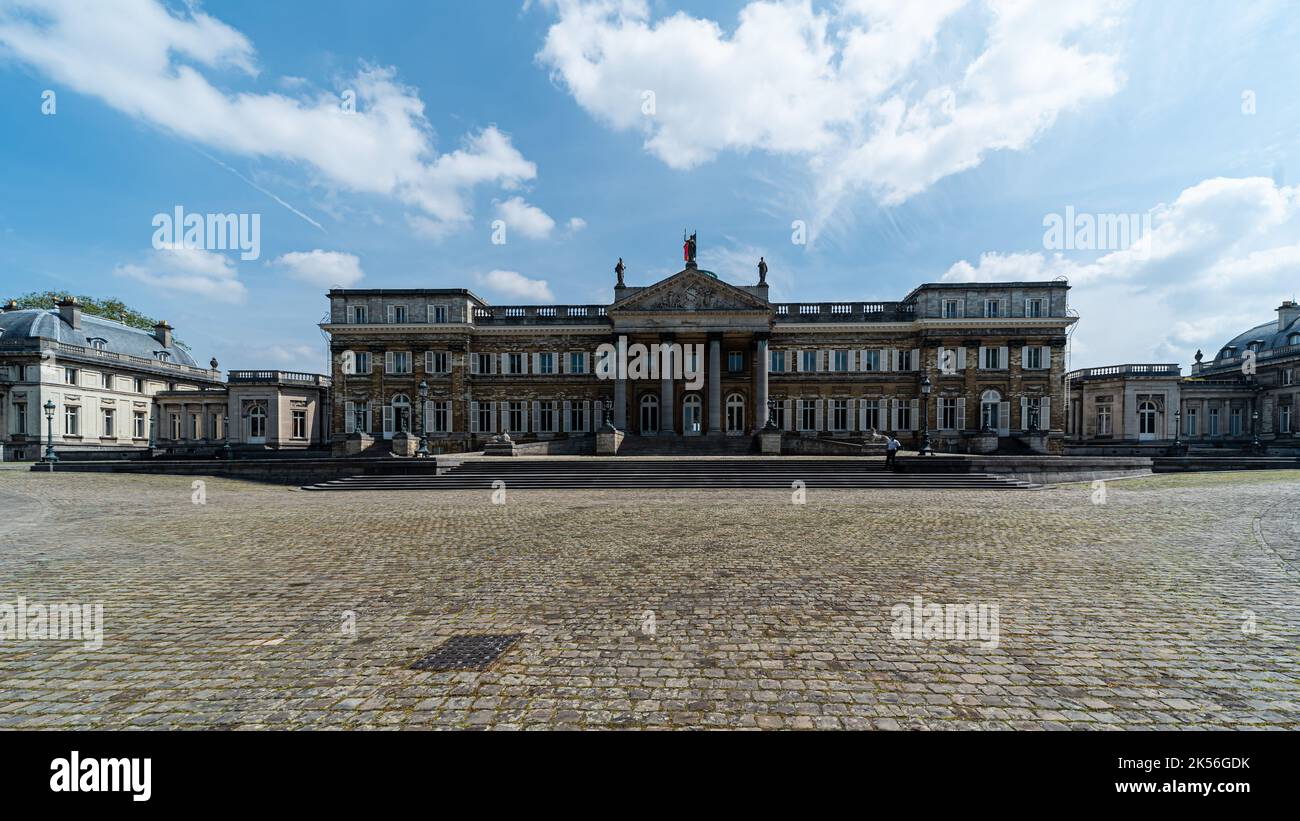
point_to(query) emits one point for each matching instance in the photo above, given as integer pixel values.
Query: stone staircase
(626, 473)
(706, 445)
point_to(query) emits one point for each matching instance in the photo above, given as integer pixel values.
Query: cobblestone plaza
(1173, 603)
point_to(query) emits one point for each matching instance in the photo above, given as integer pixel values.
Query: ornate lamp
(926, 387)
(49, 441)
(424, 436)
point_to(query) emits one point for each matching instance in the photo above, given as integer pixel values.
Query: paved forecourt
(1161, 602)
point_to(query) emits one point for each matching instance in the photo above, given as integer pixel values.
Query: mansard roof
(39, 323)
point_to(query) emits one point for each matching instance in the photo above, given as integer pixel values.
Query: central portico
(731, 324)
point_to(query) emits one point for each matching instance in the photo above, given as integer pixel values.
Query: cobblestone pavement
(1129, 614)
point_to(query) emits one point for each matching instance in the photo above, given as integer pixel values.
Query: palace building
(992, 356)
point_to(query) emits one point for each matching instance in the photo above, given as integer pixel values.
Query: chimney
(163, 333)
(1287, 313)
(70, 312)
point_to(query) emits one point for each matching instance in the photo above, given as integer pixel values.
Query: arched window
(1147, 418)
(649, 414)
(162, 356)
(735, 413)
(990, 404)
(691, 406)
(401, 412)
(257, 422)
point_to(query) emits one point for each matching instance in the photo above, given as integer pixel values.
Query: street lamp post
(926, 387)
(424, 436)
(1178, 431)
(1255, 446)
(50, 456)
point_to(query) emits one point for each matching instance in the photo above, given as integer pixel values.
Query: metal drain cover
(467, 652)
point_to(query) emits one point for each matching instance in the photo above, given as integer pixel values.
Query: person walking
(891, 453)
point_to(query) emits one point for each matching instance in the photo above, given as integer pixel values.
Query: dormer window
(1293, 339)
(98, 344)
(1228, 352)
(162, 356)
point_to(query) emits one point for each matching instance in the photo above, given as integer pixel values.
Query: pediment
(691, 290)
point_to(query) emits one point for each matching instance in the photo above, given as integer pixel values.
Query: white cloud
(528, 220)
(1221, 257)
(328, 269)
(146, 61)
(190, 271)
(513, 285)
(575, 224)
(884, 95)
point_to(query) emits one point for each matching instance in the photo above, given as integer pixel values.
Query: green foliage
(111, 308)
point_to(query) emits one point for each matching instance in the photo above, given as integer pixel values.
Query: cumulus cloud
(149, 62)
(1217, 261)
(514, 285)
(190, 271)
(328, 269)
(528, 220)
(889, 96)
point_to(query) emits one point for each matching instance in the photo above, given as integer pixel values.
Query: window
(1104, 420)
(577, 362)
(735, 413)
(807, 414)
(396, 314)
(175, 419)
(871, 360)
(1033, 358)
(439, 420)
(1191, 422)
(485, 418)
(438, 313)
(69, 376)
(20, 417)
(951, 309)
(871, 414)
(359, 411)
(778, 415)
(163, 356)
(139, 385)
(839, 414)
(948, 413)
(904, 415)
(99, 344)
(401, 410)
(992, 359)
(577, 417)
(841, 361)
(438, 362)
(1293, 339)
(1236, 421)
(1214, 422)
(362, 360)
(991, 410)
(905, 360)
(360, 314)
(735, 361)
(1284, 419)
(109, 428)
(809, 360)
(257, 422)
(515, 417)
(106, 379)
(401, 361)
(546, 363)
(1033, 308)
(516, 361)
(485, 362)
(72, 421)
(196, 426)
(778, 361)
(992, 307)
(649, 414)
(1287, 376)
(300, 424)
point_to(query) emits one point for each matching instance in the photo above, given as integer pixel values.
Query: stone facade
(1248, 392)
(271, 410)
(994, 355)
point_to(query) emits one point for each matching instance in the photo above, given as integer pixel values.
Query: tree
(111, 308)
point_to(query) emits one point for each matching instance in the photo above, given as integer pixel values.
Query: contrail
(263, 190)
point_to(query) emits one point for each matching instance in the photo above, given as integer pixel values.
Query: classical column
(667, 416)
(761, 364)
(620, 387)
(715, 383)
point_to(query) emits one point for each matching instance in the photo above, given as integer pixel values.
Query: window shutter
(391, 315)
(851, 423)
(796, 365)
(1004, 416)
(564, 423)
(1024, 357)
(428, 361)
(789, 414)
(505, 416)
(370, 416)
(1047, 357)
(536, 416)
(961, 414)
(564, 361)
(852, 364)
(587, 422)
(428, 416)
(983, 363)
(819, 418)
(820, 363)
(891, 417)
(388, 361)
(1045, 413)
(961, 358)
(349, 417)
(1003, 361)
(505, 363)
(862, 415)
(1024, 413)
(916, 360)
(473, 417)
(388, 420)
(864, 358)
(473, 362)
(916, 410)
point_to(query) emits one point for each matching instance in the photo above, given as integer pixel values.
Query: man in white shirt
(891, 453)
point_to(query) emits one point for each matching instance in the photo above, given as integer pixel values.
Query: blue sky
(916, 142)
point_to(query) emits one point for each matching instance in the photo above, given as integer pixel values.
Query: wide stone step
(578, 480)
